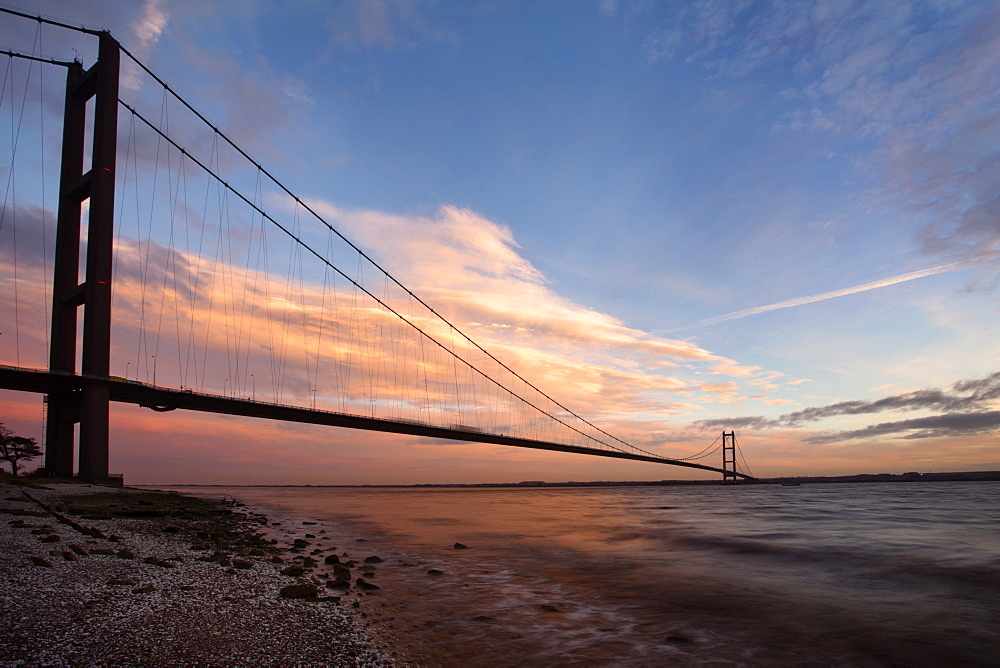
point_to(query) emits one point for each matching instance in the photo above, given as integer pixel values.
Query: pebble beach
(101, 576)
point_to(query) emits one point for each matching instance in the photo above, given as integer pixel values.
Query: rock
(309, 523)
(125, 553)
(79, 550)
(548, 608)
(301, 590)
(103, 550)
(459, 546)
(38, 561)
(51, 539)
(309, 562)
(332, 559)
(96, 533)
(145, 589)
(368, 574)
(364, 585)
(483, 618)
(300, 543)
(678, 639)
(171, 529)
(373, 560)
(435, 572)
(277, 560)
(293, 571)
(339, 583)
(162, 563)
(309, 535)
(115, 539)
(121, 581)
(69, 556)
(242, 564)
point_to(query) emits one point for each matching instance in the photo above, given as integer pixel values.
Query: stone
(435, 572)
(678, 639)
(459, 546)
(293, 571)
(162, 563)
(309, 535)
(300, 543)
(339, 583)
(79, 550)
(300, 590)
(125, 553)
(364, 585)
(373, 560)
(548, 608)
(309, 562)
(121, 581)
(69, 556)
(38, 561)
(51, 539)
(331, 559)
(242, 564)
(103, 551)
(277, 560)
(145, 589)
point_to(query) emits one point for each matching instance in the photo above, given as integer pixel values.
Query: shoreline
(99, 575)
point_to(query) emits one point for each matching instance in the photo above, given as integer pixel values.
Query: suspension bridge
(231, 294)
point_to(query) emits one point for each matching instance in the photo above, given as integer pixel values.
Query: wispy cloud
(963, 404)
(935, 426)
(833, 294)
(917, 80)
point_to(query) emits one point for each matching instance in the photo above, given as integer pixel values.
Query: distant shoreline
(960, 476)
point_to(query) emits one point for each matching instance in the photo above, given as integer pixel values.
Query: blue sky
(799, 198)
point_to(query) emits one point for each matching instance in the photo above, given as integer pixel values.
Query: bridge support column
(729, 457)
(90, 407)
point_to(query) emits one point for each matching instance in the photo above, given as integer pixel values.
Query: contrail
(799, 301)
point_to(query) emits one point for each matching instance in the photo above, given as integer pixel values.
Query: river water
(827, 574)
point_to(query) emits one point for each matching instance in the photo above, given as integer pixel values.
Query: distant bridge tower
(729, 457)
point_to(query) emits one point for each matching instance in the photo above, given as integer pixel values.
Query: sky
(676, 218)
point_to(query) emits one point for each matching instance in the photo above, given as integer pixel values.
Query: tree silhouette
(15, 448)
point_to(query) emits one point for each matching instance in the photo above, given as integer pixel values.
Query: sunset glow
(674, 219)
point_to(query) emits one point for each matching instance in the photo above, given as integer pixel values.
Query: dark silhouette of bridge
(401, 366)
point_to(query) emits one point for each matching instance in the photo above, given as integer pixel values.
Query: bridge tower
(729, 457)
(89, 406)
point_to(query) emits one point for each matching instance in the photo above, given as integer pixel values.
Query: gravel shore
(99, 576)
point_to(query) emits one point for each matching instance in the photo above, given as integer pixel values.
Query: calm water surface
(839, 574)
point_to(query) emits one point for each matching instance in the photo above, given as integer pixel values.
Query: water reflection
(856, 574)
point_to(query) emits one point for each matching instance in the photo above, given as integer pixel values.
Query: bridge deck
(167, 399)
